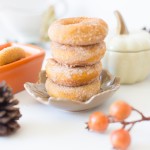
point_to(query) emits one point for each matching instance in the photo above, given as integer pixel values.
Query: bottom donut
(80, 93)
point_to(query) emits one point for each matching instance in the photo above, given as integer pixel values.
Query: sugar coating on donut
(78, 55)
(66, 73)
(71, 71)
(78, 31)
(81, 93)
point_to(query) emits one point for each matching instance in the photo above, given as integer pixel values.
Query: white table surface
(47, 128)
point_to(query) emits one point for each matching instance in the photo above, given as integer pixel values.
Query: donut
(80, 93)
(11, 54)
(78, 31)
(68, 76)
(77, 55)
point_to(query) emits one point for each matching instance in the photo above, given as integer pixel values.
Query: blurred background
(21, 20)
(135, 12)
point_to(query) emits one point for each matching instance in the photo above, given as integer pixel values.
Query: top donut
(78, 31)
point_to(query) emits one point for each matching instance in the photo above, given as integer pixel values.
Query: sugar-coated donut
(78, 55)
(78, 31)
(72, 76)
(80, 93)
(11, 54)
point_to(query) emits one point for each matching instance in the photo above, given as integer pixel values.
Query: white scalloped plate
(109, 85)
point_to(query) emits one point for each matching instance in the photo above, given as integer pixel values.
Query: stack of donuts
(77, 47)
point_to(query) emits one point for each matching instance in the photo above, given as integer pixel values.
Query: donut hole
(71, 21)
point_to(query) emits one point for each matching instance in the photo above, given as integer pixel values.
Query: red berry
(120, 110)
(120, 139)
(98, 122)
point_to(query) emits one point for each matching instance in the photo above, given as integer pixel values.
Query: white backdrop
(136, 12)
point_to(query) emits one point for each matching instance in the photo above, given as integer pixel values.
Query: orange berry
(120, 139)
(120, 110)
(98, 122)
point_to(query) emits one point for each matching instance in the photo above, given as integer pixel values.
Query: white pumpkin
(128, 54)
(135, 41)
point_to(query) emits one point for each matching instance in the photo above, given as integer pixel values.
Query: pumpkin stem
(121, 26)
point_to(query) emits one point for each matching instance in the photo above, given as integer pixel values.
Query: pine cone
(9, 114)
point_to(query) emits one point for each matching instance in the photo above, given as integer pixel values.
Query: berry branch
(132, 123)
(143, 117)
(118, 112)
